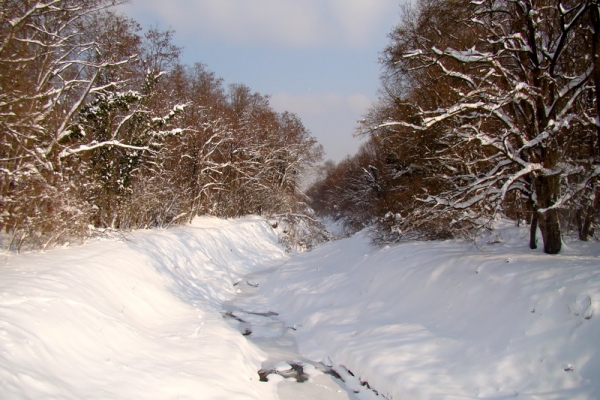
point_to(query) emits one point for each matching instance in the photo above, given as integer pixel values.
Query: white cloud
(359, 20)
(274, 22)
(330, 116)
(264, 21)
(359, 103)
(307, 104)
(317, 104)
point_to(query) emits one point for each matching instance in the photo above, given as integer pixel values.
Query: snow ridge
(133, 319)
(445, 320)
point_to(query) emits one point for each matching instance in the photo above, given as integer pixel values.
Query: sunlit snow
(143, 316)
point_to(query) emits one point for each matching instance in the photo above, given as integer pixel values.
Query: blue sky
(316, 58)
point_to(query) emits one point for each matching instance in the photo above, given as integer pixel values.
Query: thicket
(101, 127)
(488, 109)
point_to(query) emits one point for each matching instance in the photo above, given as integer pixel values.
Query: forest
(483, 145)
(488, 109)
(102, 127)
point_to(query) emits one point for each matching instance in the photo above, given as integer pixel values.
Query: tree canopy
(102, 127)
(488, 108)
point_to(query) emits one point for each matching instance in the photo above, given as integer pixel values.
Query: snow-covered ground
(143, 317)
(443, 320)
(133, 319)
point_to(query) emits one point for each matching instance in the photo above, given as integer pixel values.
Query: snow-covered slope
(133, 319)
(140, 318)
(442, 320)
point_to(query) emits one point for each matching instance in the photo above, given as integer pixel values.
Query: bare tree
(101, 126)
(46, 75)
(502, 91)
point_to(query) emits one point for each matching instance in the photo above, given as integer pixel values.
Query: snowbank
(141, 317)
(133, 319)
(442, 320)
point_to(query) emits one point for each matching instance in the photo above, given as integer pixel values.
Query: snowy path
(134, 319)
(298, 377)
(447, 320)
(148, 317)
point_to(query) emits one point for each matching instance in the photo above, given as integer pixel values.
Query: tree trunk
(595, 20)
(579, 222)
(550, 228)
(584, 233)
(585, 230)
(547, 191)
(533, 230)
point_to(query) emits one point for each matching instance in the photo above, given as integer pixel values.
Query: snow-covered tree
(236, 155)
(46, 76)
(100, 126)
(503, 90)
(353, 191)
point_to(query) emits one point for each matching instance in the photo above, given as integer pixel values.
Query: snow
(442, 320)
(142, 316)
(133, 319)
(95, 145)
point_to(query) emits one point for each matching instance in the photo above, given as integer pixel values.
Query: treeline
(488, 108)
(102, 127)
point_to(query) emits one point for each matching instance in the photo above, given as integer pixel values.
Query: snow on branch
(465, 56)
(95, 145)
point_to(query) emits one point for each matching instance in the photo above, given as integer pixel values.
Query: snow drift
(142, 317)
(443, 320)
(133, 319)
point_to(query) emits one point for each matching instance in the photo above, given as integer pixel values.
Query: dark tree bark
(547, 191)
(586, 226)
(533, 230)
(595, 22)
(550, 228)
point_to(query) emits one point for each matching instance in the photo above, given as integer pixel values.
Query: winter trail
(196, 312)
(296, 377)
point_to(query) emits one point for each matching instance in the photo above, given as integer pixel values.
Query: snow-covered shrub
(300, 232)
(41, 216)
